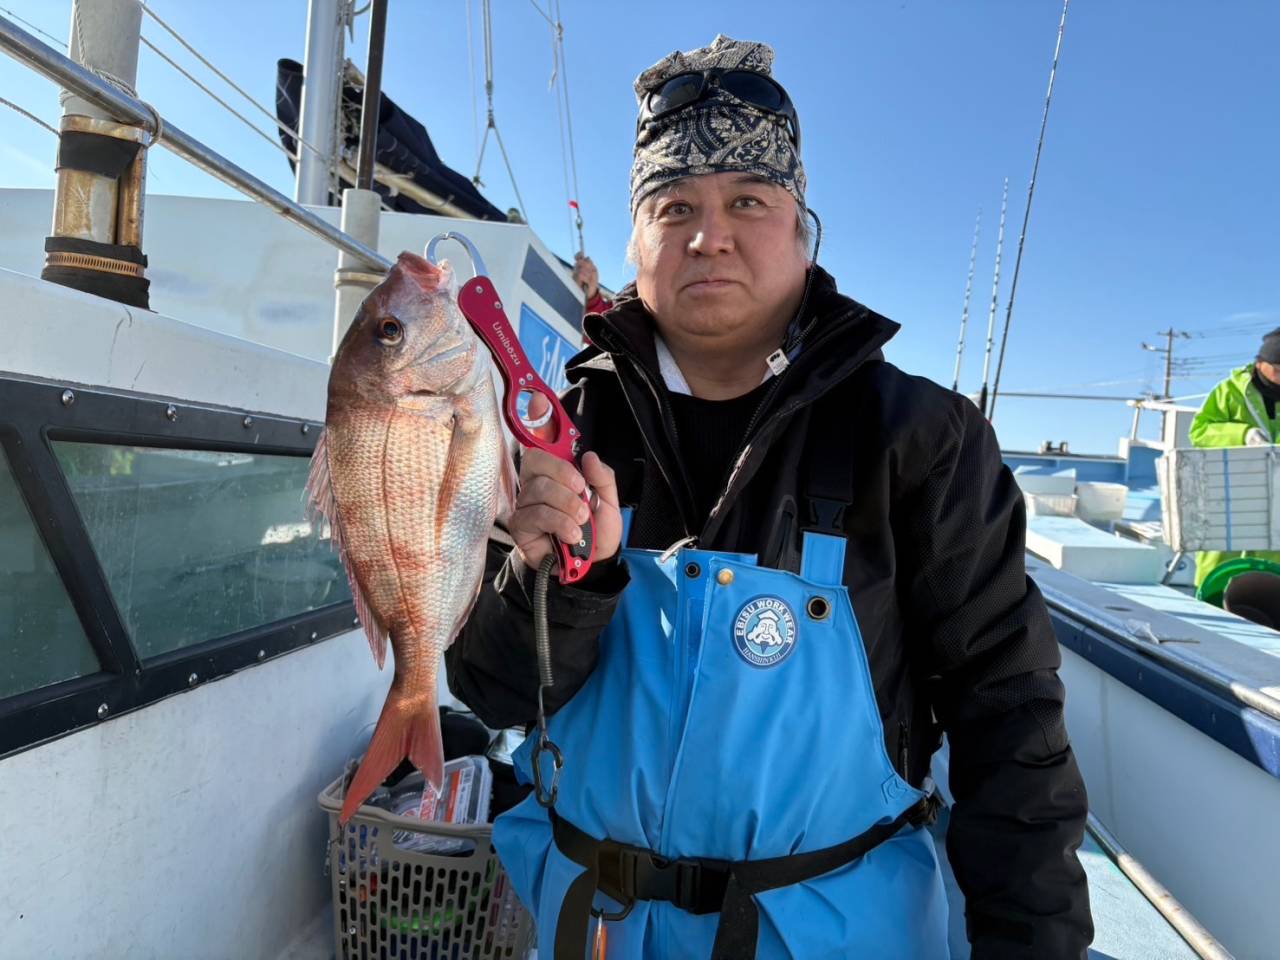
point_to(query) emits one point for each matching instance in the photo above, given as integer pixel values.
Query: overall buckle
(643, 876)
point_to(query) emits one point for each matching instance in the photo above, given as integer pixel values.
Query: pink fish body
(410, 473)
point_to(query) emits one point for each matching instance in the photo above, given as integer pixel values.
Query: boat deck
(1126, 925)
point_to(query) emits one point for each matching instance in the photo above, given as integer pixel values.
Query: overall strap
(627, 874)
(828, 465)
(826, 487)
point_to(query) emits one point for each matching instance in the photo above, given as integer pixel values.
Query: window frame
(33, 414)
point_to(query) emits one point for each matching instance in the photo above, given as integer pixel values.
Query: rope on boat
(487, 15)
(297, 137)
(30, 116)
(28, 23)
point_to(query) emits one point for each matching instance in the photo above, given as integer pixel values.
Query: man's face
(717, 257)
(1269, 371)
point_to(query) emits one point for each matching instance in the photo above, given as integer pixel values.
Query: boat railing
(61, 69)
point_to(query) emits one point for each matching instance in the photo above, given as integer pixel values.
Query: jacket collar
(844, 335)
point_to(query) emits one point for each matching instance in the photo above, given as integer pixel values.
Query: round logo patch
(764, 632)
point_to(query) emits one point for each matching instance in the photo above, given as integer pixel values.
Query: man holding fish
(808, 567)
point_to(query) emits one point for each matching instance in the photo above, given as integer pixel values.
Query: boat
(186, 674)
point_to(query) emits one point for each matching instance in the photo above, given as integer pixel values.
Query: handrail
(1188, 927)
(65, 72)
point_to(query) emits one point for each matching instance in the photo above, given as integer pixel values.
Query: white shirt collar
(670, 370)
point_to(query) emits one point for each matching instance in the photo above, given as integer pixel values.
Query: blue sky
(1157, 203)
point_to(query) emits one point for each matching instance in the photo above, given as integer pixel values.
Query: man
(587, 277)
(1241, 411)
(804, 557)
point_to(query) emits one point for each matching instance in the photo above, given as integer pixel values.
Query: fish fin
(322, 511)
(403, 730)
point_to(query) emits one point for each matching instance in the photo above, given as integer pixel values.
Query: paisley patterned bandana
(717, 135)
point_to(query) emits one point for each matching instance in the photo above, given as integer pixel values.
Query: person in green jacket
(1241, 411)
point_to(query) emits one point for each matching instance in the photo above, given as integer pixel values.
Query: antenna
(968, 287)
(1026, 216)
(995, 297)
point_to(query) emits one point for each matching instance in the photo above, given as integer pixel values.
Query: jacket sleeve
(1020, 804)
(1214, 425)
(492, 666)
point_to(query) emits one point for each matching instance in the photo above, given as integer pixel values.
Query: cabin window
(199, 544)
(41, 640)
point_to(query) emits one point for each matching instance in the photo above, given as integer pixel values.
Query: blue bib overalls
(731, 718)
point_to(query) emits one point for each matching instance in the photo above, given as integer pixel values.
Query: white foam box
(1059, 483)
(1071, 545)
(1221, 498)
(1100, 502)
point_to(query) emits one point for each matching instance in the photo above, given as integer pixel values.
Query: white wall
(235, 267)
(1197, 815)
(190, 827)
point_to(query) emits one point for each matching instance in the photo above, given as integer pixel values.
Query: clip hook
(477, 262)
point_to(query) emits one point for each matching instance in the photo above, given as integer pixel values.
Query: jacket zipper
(745, 452)
(668, 423)
(904, 749)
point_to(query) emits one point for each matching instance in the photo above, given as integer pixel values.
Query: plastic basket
(391, 903)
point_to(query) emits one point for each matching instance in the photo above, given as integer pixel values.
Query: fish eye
(389, 331)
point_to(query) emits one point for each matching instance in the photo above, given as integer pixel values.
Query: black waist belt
(626, 874)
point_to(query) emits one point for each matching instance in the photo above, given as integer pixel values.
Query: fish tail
(403, 730)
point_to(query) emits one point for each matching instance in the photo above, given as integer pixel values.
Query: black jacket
(954, 629)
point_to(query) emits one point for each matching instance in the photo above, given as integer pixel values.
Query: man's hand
(549, 503)
(1256, 438)
(586, 276)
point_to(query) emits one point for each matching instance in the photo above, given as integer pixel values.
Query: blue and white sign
(764, 632)
(548, 352)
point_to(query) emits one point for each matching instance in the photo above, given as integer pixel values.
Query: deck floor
(1127, 926)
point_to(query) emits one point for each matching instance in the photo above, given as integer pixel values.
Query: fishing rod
(995, 299)
(968, 287)
(1026, 215)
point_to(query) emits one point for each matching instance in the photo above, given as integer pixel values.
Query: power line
(1167, 350)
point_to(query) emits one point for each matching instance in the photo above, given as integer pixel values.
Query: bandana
(720, 134)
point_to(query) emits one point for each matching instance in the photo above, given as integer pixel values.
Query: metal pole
(321, 91)
(1067, 396)
(995, 301)
(1026, 215)
(968, 288)
(48, 62)
(352, 281)
(1197, 937)
(104, 37)
(95, 242)
(369, 109)
(1168, 363)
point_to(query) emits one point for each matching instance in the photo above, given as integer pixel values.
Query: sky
(1156, 205)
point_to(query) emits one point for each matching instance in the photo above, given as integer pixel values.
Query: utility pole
(1169, 336)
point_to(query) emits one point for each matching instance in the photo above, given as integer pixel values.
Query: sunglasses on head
(763, 93)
